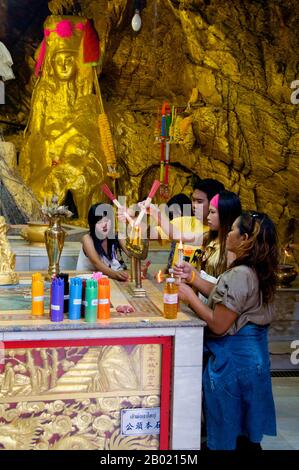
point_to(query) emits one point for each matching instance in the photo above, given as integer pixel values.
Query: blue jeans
(237, 388)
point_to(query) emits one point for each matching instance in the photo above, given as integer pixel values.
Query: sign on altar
(140, 421)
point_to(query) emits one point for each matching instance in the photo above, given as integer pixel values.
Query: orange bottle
(37, 294)
(170, 299)
(103, 299)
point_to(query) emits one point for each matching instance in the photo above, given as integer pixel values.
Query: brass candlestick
(55, 234)
(138, 250)
(54, 239)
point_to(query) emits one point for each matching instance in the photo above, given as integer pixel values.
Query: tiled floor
(286, 397)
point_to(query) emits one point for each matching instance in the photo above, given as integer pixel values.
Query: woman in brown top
(238, 399)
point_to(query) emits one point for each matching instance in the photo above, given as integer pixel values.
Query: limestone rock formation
(17, 202)
(241, 56)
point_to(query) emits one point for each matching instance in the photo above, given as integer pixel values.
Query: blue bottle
(75, 300)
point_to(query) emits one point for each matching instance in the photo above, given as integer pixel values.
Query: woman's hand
(121, 214)
(184, 271)
(121, 275)
(149, 207)
(186, 294)
(143, 204)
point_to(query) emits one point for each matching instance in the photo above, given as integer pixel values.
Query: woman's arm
(205, 287)
(218, 320)
(191, 276)
(171, 231)
(92, 254)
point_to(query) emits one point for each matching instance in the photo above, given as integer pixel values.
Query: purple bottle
(57, 300)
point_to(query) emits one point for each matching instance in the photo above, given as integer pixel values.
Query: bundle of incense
(112, 198)
(154, 189)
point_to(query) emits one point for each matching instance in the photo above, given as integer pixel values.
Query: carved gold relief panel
(71, 397)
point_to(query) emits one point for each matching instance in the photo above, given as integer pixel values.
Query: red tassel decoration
(41, 56)
(91, 46)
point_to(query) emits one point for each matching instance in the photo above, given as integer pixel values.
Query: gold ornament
(55, 234)
(62, 150)
(138, 250)
(7, 258)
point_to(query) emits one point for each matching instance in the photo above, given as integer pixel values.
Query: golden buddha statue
(62, 150)
(7, 258)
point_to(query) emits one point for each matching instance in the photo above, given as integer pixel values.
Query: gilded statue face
(64, 64)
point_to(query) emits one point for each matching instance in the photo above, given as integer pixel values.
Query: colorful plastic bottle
(91, 300)
(65, 277)
(170, 299)
(103, 299)
(37, 294)
(57, 300)
(75, 300)
(83, 298)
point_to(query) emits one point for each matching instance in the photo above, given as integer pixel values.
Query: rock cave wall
(241, 57)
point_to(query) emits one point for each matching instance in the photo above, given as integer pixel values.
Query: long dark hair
(209, 186)
(260, 250)
(229, 208)
(97, 212)
(178, 201)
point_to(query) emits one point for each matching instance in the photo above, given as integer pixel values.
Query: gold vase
(54, 240)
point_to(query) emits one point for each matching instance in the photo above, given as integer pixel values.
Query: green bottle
(91, 300)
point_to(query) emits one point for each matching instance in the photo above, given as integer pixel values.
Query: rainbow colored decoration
(162, 136)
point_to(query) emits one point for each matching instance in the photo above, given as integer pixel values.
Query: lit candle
(285, 256)
(180, 256)
(180, 253)
(159, 276)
